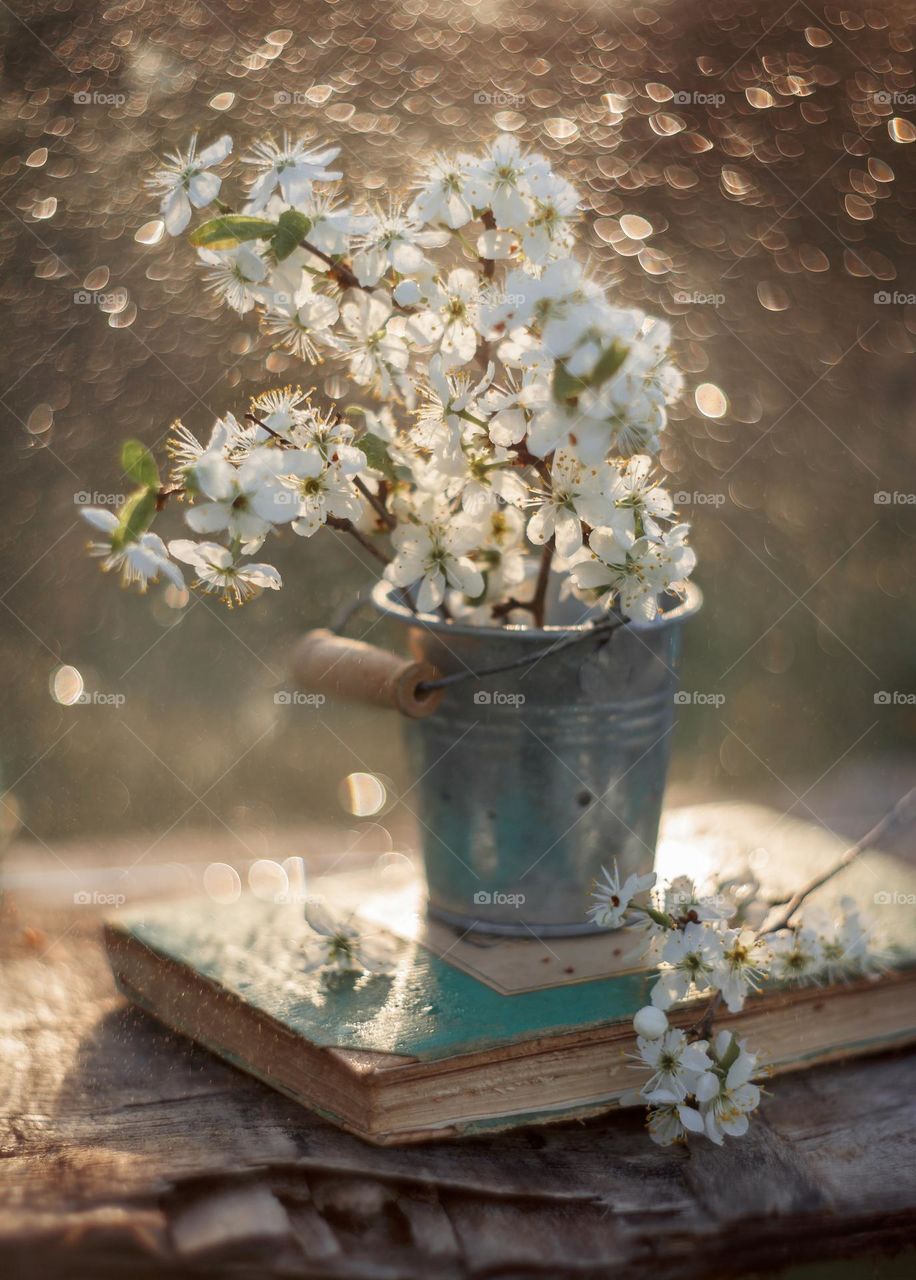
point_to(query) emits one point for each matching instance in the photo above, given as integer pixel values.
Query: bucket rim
(384, 600)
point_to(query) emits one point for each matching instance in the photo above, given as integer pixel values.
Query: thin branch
(540, 590)
(281, 440)
(703, 1025)
(488, 265)
(376, 504)
(347, 526)
(488, 271)
(525, 458)
(887, 823)
(345, 275)
(500, 612)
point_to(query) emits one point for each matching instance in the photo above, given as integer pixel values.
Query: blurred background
(748, 170)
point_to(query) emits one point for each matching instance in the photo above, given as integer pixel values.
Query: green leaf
(609, 363)
(292, 229)
(135, 518)
(566, 387)
(377, 457)
(730, 1056)
(231, 229)
(660, 917)
(139, 464)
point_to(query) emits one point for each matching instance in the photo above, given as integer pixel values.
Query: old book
(471, 1033)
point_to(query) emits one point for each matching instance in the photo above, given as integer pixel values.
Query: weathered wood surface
(127, 1150)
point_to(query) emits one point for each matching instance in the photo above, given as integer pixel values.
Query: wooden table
(129, 1151)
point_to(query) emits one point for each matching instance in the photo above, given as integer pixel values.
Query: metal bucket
(530, 781)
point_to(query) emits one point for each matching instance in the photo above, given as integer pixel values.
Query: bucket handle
(324, 662)
(351, 669)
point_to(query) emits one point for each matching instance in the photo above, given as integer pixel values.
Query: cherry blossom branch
(334, 522)
(703, 1025)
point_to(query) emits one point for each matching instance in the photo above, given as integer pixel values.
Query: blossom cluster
(500, 414)
(707, 948)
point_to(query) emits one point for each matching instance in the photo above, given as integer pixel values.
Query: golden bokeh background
(748, 170)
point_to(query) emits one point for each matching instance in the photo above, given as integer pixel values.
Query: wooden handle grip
(326, 663)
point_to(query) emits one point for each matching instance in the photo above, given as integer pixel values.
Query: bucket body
(528, 782)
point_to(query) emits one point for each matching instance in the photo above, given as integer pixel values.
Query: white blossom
(235, 276)
(576, 493)
(502, 560)
(613, 898)
(434, 553)
(140, 561)
(245, 500)
(291, 166)
(725, 1111)
(796, 955)
(548, 233)
(448, 321)
(741, 966)
(393, 240)
(501, 181)
(441, 197)
(340, 947)
(185, 181)
(450, 400)
(669, 1121)
(374, 341)
(279, 410)
(635, 572)
(333, 225)
(690, 957)
(302, 320)
(675, 1063)
(845, 943)
(218, 571)
(685, 903)
(322, 490)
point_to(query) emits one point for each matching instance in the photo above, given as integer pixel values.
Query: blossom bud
(407, 293)
(650, 1023)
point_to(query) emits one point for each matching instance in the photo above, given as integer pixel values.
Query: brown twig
(525, 458)
(540, 590)
(286, 444)
(502, 610)
(345, 276)
(703, 1025)
(887, 823)
(347, 526)
(375, 503)
(535, 605)
(488, 271)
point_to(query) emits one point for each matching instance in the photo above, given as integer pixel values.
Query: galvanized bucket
(530, 781)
